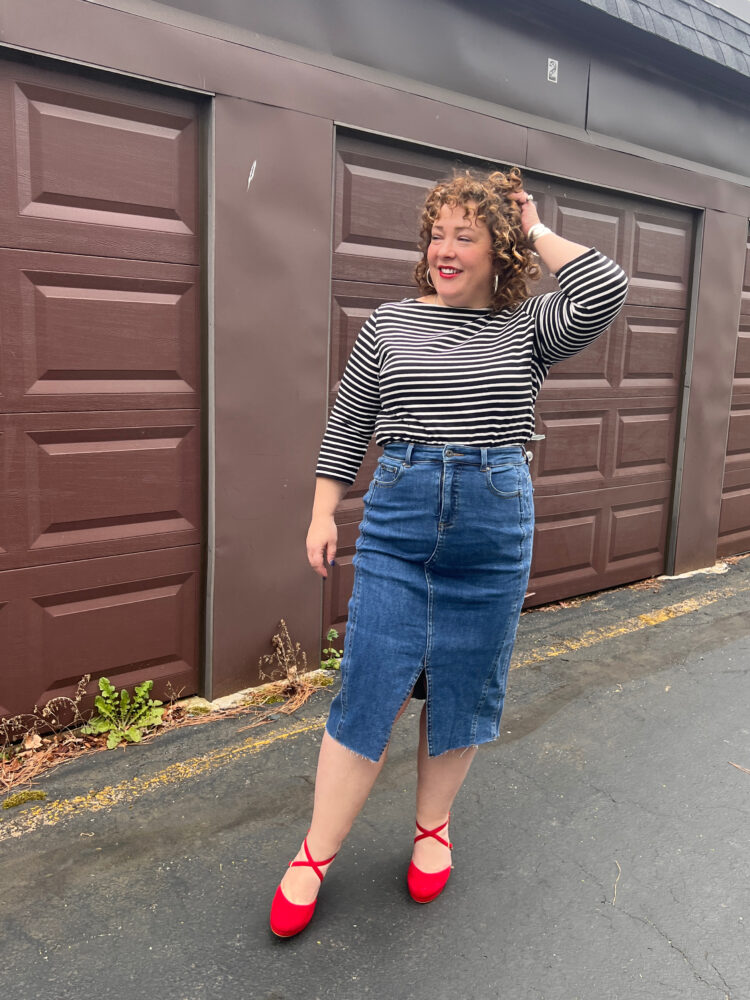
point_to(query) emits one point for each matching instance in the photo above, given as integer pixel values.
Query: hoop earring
(495, 285)
(428, 279)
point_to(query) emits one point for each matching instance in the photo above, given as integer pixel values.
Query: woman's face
(460, 258)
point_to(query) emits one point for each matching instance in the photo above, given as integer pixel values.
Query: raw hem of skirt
(460, 751)
(354, 753)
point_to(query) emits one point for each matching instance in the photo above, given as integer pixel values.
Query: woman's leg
(342, 785)
(438, 782)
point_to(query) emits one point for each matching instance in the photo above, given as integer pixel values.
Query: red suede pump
(426, 886)
(288, 919)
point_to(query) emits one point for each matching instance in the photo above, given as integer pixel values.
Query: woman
(448, 382)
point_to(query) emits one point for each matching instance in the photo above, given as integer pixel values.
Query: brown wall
(716, 324)
(271, 331)
(272, 247)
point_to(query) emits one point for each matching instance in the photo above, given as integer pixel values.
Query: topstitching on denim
(351, 618)
(504, 494)
(387, 473)
(511, 625)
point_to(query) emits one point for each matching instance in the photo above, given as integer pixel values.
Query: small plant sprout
(331, 656)
(120, 716)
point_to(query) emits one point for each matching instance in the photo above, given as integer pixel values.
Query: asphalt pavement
(601, 846)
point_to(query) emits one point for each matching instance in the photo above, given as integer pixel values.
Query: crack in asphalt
(721, 977)
(724, 988)
(603, 791)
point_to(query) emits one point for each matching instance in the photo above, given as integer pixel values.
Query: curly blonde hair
(512, 257)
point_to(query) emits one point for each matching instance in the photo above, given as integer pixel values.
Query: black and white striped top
(439, 375)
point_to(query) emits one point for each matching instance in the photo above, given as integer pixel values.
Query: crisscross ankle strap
(433, 833)
(310, 863)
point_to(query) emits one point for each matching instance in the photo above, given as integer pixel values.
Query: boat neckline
(434, 305)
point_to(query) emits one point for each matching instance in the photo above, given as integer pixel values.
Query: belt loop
(484, 459)
(407, 456)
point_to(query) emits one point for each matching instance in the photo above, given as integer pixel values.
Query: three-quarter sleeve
(352, 420)
(592, 292)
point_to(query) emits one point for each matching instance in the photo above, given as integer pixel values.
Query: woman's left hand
(529, 214)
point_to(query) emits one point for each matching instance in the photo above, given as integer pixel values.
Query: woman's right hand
(322, 538)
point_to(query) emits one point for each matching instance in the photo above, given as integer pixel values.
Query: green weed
(332, 656)
(120, 716)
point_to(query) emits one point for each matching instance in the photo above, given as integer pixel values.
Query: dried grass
(21, 767)
(28, 750)
(651, 584)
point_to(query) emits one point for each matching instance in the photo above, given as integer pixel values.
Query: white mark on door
(252, 174)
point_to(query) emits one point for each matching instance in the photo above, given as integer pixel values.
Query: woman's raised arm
(554, 250)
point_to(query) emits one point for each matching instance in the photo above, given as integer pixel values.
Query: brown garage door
(603, 475)
(734, 522)
(100, 511)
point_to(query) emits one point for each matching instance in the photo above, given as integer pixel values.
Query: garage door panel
(572, 454)
(564, 542)
(616, 442)
(636, 531)
(381, 213)
(130, 618)
(651, 358)
(738, 441)
(661, 257)
(644, 443)
(642, 352)
(579, 220)
(739, 477)
(99, 483)
(350, 268)
(745, 300)
(580, 546)
(734, 519)
(86, 333)
(742, 362)
(379, 198)
(94, 168)
(12, 652)
(108, 616)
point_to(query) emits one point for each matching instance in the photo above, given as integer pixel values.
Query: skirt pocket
(504, 481)
(387, 472)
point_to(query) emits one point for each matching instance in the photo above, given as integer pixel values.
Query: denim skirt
(440, 572)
